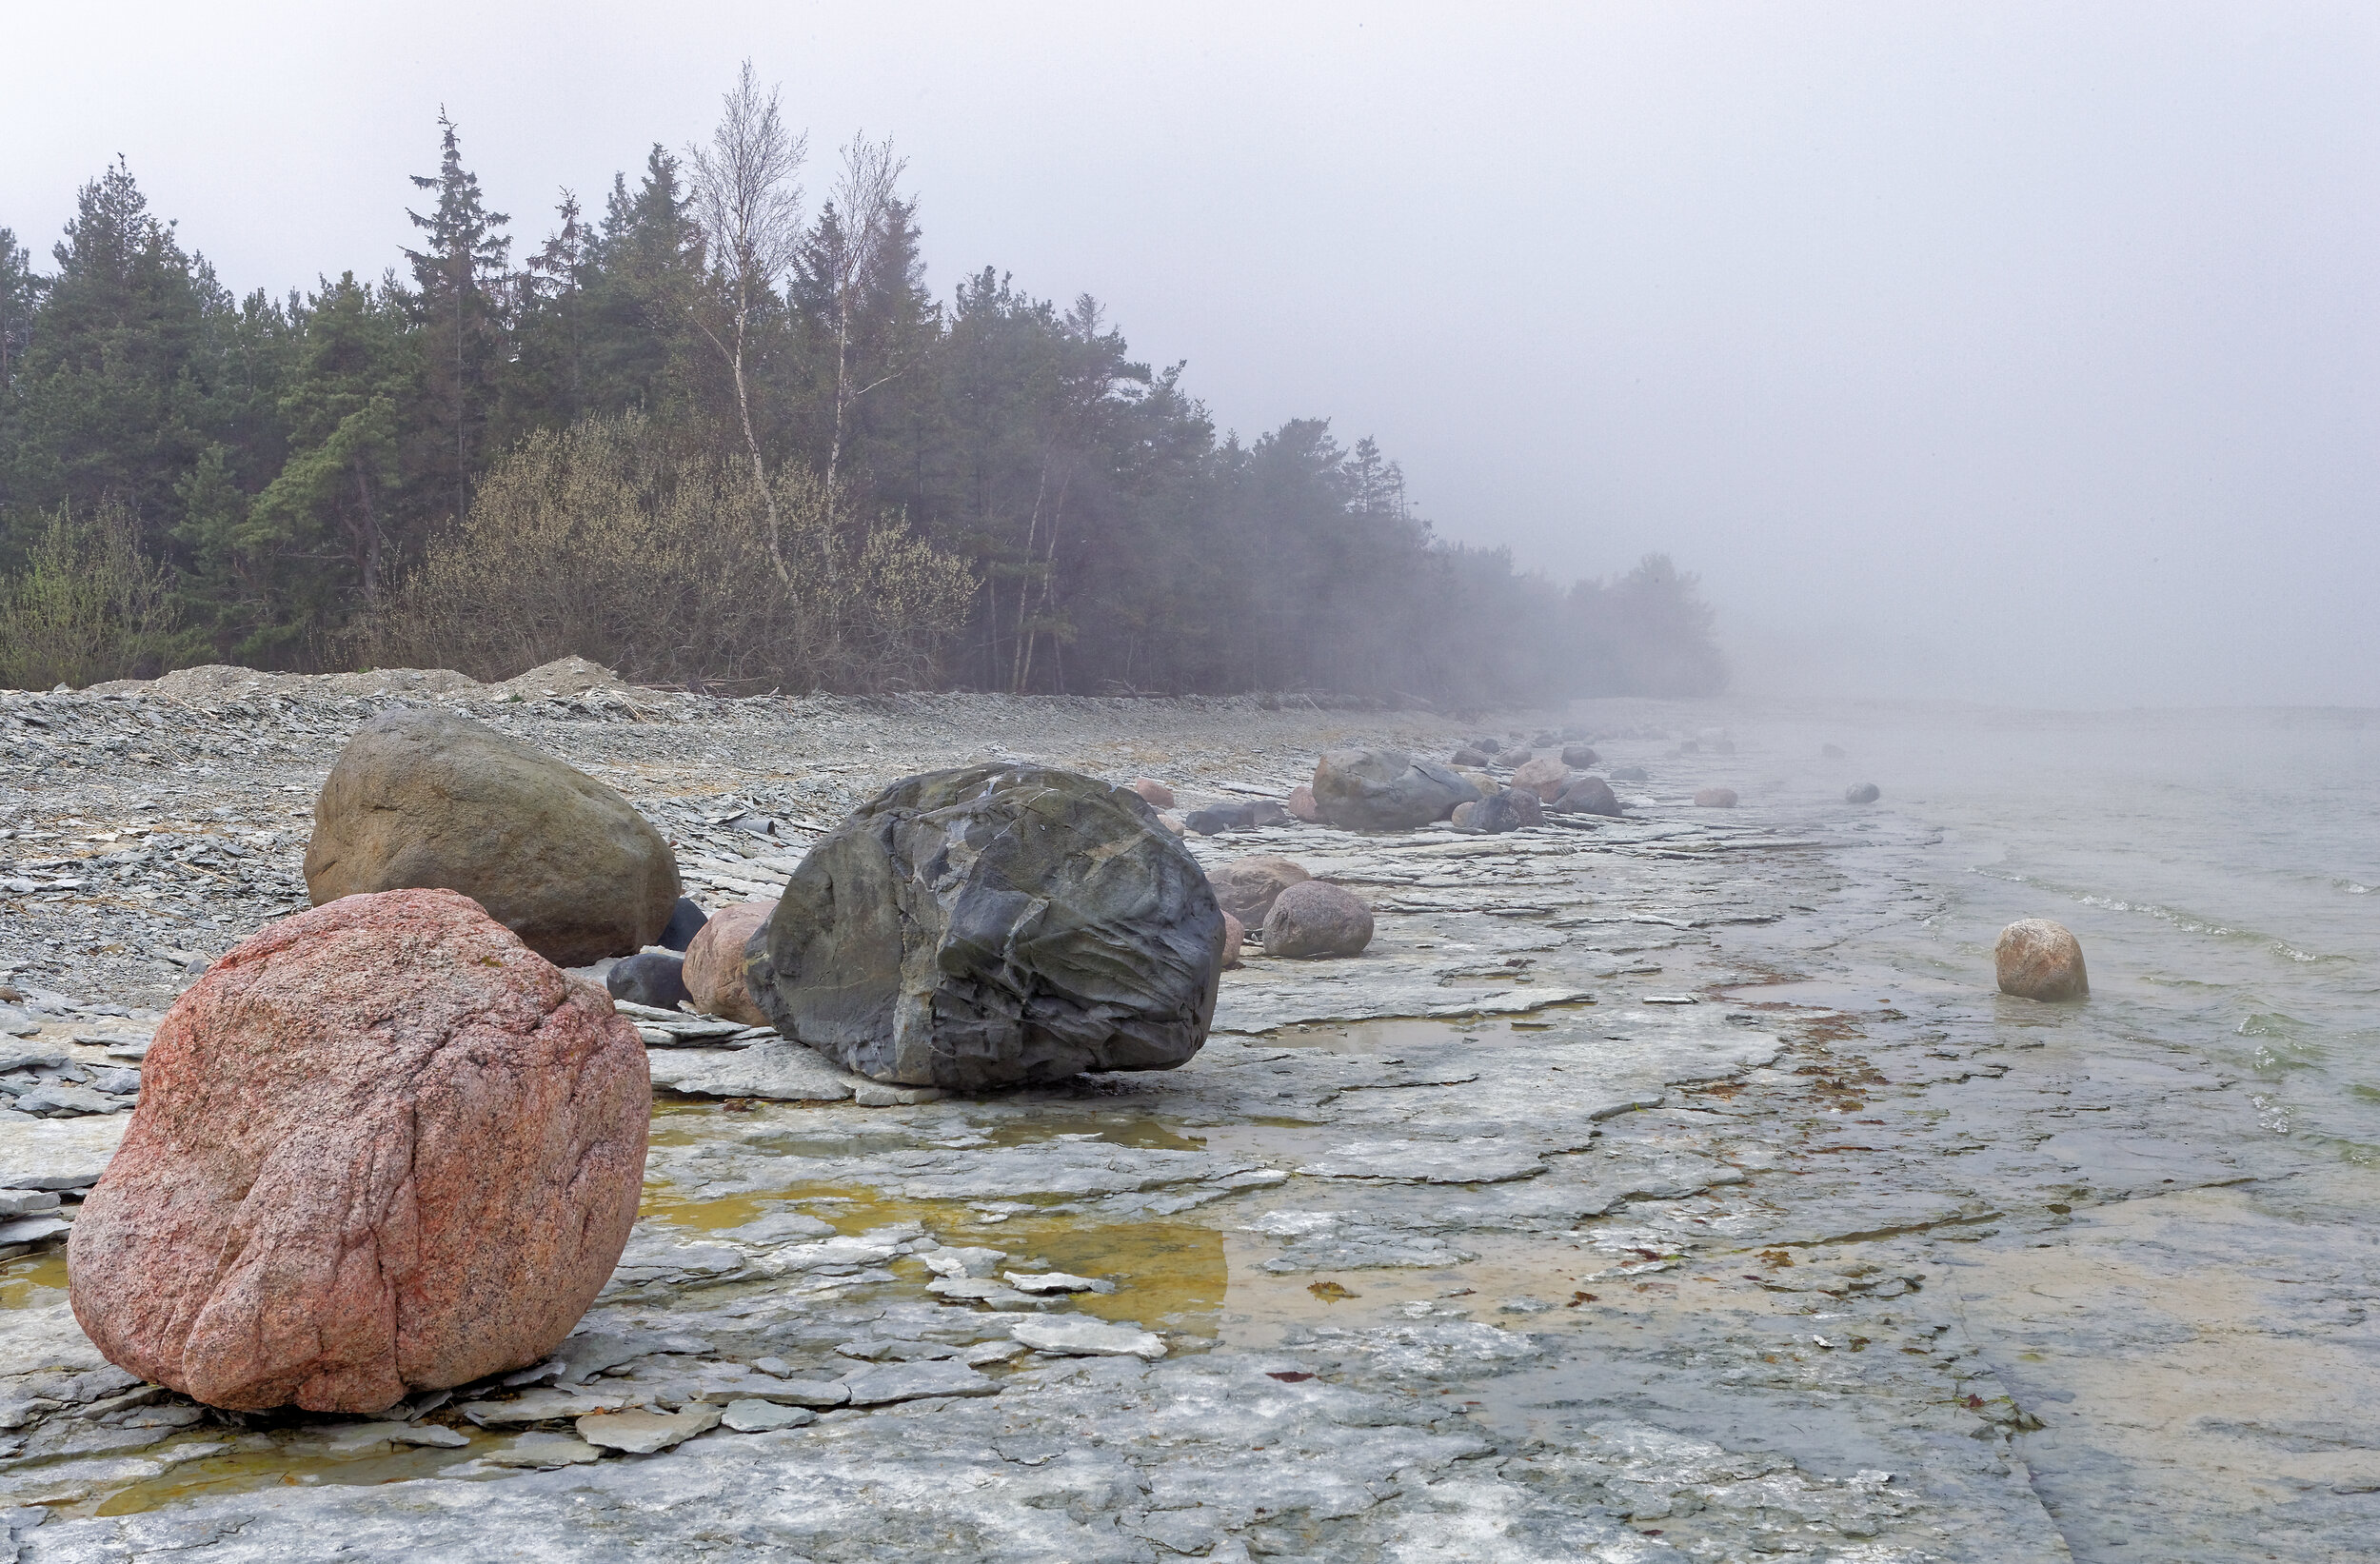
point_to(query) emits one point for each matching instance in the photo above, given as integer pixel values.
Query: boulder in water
(1629, 773)
(1246, 886)
(423, 799)
(1716, 798)
(686, 921)
(1315, 917)
(992, 926)
(715, 963)
(1385, 790)
(1586, 796)
(1580, 757)
(2038, 960)
(648, 978)
(1862, 793)
(382, 1146)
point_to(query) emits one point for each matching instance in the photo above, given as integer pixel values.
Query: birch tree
(842, 264)
(748, 207)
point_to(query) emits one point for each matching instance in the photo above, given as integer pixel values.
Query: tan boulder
(1315, 918)
(382, 1146)
(2038, 960)
(1235, 935)
(1545, 776)
(1300, 804)
(1246, 886)
(715, 962)
(423, 798)
(1158, 795)
(1716, 798)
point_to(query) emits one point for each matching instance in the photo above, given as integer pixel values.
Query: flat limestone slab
(782, 1070)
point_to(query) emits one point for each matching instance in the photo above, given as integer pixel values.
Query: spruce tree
(460, 302)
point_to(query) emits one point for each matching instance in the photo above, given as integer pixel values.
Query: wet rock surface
(1838, 1262)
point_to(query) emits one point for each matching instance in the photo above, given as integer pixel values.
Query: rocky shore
(1598, 1209)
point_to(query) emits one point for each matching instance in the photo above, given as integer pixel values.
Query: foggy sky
(2000, 351)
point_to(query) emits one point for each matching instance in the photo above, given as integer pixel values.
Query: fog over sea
(2222, 869)
(2176, 1283)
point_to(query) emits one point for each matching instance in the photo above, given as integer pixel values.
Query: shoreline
(1613, 1279)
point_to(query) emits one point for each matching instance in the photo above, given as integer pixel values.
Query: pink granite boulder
(382, 1146)
(715, 962)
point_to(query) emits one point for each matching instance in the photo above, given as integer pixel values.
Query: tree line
(715, 432)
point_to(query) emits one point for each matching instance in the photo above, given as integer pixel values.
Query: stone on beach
(751, 1415)
(1079, 1335)
(1467, 756)
(1158, 795)
(1300, 804)
(1587, 796)
(1246, 886)
(1217, 819)
(1580, 757)
(383, 1146)
(686, 921)
(1716, 798)
(1317, 919)
(716, 963)
(1385, 790)
(1508, 809)
(647, 977)
(429, 800)
(643, 1433)
(1546, 777)
(1235, 936)
(2040, 960)
(1862, 793)
(991, 926)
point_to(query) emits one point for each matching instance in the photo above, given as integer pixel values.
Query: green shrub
(646, 551)
(88, 606)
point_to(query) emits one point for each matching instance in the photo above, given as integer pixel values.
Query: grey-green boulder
(1385, 790)
(429, 800)
(992, 926)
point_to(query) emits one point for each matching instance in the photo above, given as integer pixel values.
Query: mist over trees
(715, 432)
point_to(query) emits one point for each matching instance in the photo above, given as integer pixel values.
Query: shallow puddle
(1380, 1036)
(33, 1281)
(243, 1471)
